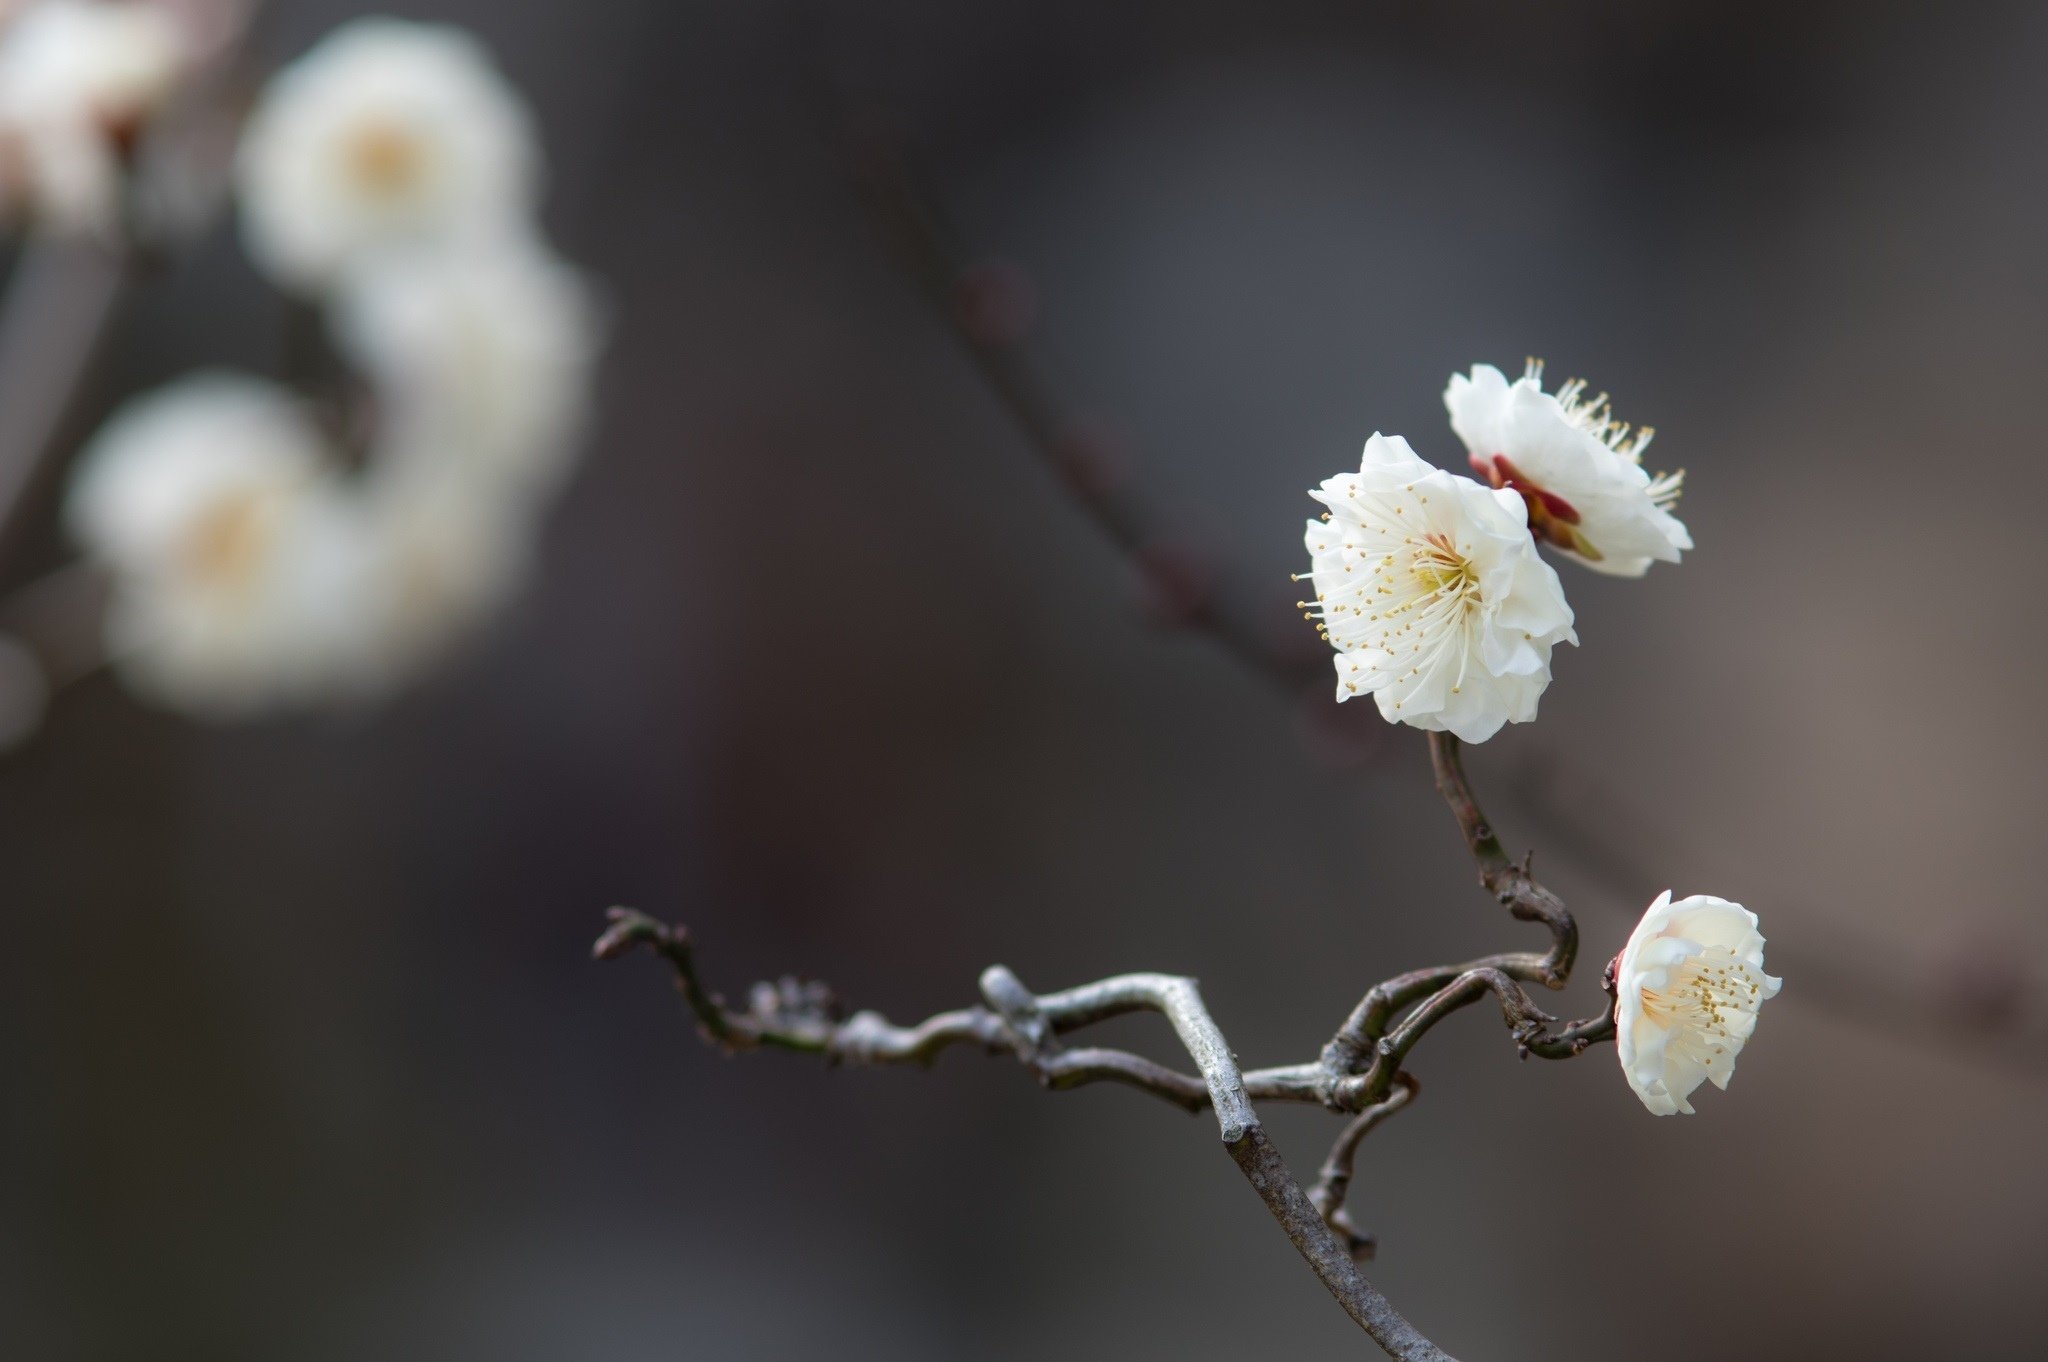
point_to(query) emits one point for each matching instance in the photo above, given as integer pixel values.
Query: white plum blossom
(256, 567)
(243, 567)
(1578, 468)
(161, 462)
(387, 133)
(1432, 592)
(481, 358)
(1687, 989)
(78, 79)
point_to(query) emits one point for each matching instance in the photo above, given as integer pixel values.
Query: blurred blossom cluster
(269, 552)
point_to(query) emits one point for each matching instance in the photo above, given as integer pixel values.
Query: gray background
(300, 1055)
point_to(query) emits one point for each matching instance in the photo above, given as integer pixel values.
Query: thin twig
(1334, 1183)
(805, 1017)
(796, 1016)
(1187, 587)
(1510, 881)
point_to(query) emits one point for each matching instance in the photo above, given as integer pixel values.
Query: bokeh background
(301, 1055)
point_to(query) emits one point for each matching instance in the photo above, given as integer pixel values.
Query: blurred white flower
(481, 359)
(1431, 590)
(387, 133)
(243, 567)
(448, 558)
(1687, 988)
(78, 79)
(392, 169)
(162, 461)
(1577, 467)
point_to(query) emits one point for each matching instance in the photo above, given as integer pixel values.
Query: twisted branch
(1360, 1071)
(797, 1016)
(1334, 1182)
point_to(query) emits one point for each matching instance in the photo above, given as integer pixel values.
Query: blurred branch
(61, 617)
(63, 297)
(53, 321)
(1973, 1004)
(1360, 1072)
(65, 290)
(989, 307)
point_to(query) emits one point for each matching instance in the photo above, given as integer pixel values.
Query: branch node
(629, 929)
(1018, 1007)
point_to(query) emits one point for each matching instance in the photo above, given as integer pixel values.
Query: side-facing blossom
(481, 359)
(1687, 989)
(242, 566)
(387, 133)
(78, 78)
(1579, 469)
(1431, 590)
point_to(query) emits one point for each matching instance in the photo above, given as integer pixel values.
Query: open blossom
(1431, 590)
(163, 464)
(242, 566)
(481, 359)
(388, 133)
(1687, 989)
(78, 78)
(1579, 469)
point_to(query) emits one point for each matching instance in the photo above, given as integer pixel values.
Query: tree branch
(53, 321)
(988, 308)
(801, 1016)
(1509, 881)
(1334, 1183)
(1329, 1258)
(1359, 1071)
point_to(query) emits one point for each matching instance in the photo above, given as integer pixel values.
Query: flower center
(1710, 1004)
(1552, 519)
(226, 544)
(1442, 570)
(385, 159)
(1411, 607)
